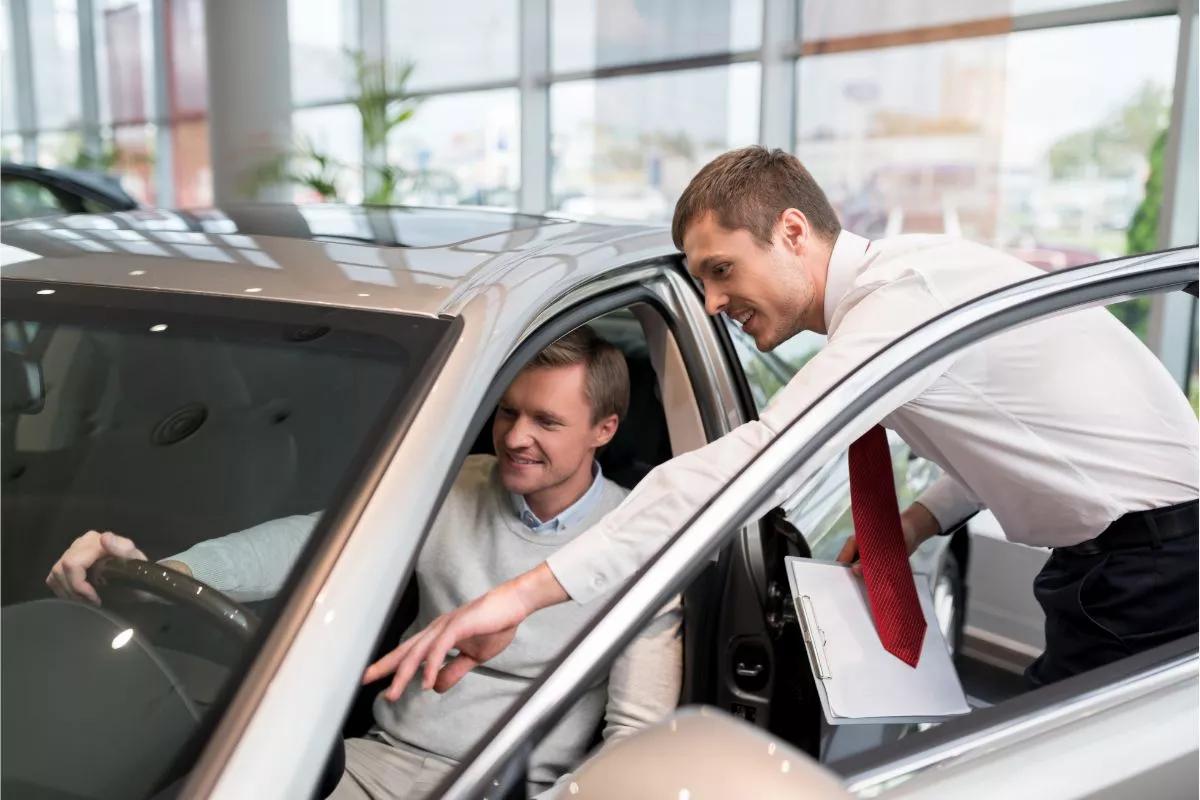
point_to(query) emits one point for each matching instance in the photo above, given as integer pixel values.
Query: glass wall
(626, 147)
(978, 138)
(480, 46)
(111, 84)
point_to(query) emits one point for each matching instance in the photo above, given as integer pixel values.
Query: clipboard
(858, 681)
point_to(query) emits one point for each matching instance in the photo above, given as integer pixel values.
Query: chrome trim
(1037, 721)
(816, 435)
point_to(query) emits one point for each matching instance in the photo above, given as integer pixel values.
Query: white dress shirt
(1059, 426)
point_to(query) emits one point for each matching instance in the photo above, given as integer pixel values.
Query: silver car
(178, 376)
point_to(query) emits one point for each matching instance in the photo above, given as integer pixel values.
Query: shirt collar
(844, 261)
(569, 516)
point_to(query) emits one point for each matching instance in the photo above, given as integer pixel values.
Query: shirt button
(598, 581)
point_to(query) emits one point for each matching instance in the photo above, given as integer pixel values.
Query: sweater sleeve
(643, 684)
(251, 564)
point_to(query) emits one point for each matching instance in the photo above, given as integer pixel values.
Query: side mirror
(21, 385)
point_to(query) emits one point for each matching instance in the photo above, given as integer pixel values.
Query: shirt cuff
(949, 503)
(580, 567)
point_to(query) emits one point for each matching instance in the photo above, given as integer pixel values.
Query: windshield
(176, 423)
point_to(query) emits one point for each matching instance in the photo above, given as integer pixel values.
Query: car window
(180, 423)
(21, 198)
(767, 373)
(820, 508)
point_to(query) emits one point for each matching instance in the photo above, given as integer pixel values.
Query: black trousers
(1132, 588)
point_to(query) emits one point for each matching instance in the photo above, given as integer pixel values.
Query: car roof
(429, 261)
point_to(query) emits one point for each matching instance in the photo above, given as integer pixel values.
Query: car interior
(169, 441)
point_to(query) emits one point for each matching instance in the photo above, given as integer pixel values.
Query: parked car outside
(32, 191)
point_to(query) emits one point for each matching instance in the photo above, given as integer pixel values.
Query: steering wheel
(167, 584)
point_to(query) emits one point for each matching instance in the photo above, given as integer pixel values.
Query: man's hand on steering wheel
(68, 576)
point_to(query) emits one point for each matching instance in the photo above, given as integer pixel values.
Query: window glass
(25, 198)
(12, 148)
(133, 150)
(460, 149)
(974, 138)
(125, 45)
(320, 33)
(8, 84)
(54, 39)
(186, 58)
(587, 34)
(826, 20)
(766, 373)
(335, 133)
(476, 44)
(170, 422)
(190, 164)
(626, 147)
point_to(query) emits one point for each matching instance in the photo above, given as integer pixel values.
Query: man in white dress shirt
(1068, 429)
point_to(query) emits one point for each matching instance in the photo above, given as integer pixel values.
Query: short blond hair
(607, 381)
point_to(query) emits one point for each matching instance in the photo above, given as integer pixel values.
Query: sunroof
(396, 227)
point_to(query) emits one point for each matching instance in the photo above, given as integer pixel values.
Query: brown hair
(748, 189)
(607, 382)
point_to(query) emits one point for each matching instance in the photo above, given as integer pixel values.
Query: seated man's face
(544, 434)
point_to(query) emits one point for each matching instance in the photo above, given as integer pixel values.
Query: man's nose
(714, 301)
(517, 434)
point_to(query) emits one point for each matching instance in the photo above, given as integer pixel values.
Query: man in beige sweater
(503, 515)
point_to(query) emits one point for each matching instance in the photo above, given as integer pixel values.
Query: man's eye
(721, 270)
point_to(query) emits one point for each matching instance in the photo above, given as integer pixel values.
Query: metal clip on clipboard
(814, 636)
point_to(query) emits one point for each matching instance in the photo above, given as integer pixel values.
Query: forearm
(918, 524)
(251, 564)
(535, 589)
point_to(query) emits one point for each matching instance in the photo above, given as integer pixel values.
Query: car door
(829, 425)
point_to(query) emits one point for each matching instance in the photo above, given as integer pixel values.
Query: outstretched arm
(479, 630)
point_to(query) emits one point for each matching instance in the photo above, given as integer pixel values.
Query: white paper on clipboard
(858, 681)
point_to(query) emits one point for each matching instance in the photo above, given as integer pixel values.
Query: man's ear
(793, 228)
(604, 430)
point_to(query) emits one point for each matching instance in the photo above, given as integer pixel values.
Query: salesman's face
(766, 290)
(544, 433)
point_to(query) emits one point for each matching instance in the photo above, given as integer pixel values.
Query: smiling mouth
(742, 317)
(520, 461)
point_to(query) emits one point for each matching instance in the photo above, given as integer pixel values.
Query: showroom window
(54, 25)
(972, 138)
(479, 47)
(589, 34)
(320, 32)
(626, 147)
(462, 149)
(1007, 121)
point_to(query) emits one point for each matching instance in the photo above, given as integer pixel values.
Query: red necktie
(881, 550)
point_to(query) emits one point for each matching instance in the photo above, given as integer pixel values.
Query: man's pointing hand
(479, 631)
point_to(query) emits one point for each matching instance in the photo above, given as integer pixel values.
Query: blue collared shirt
(570, 515)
